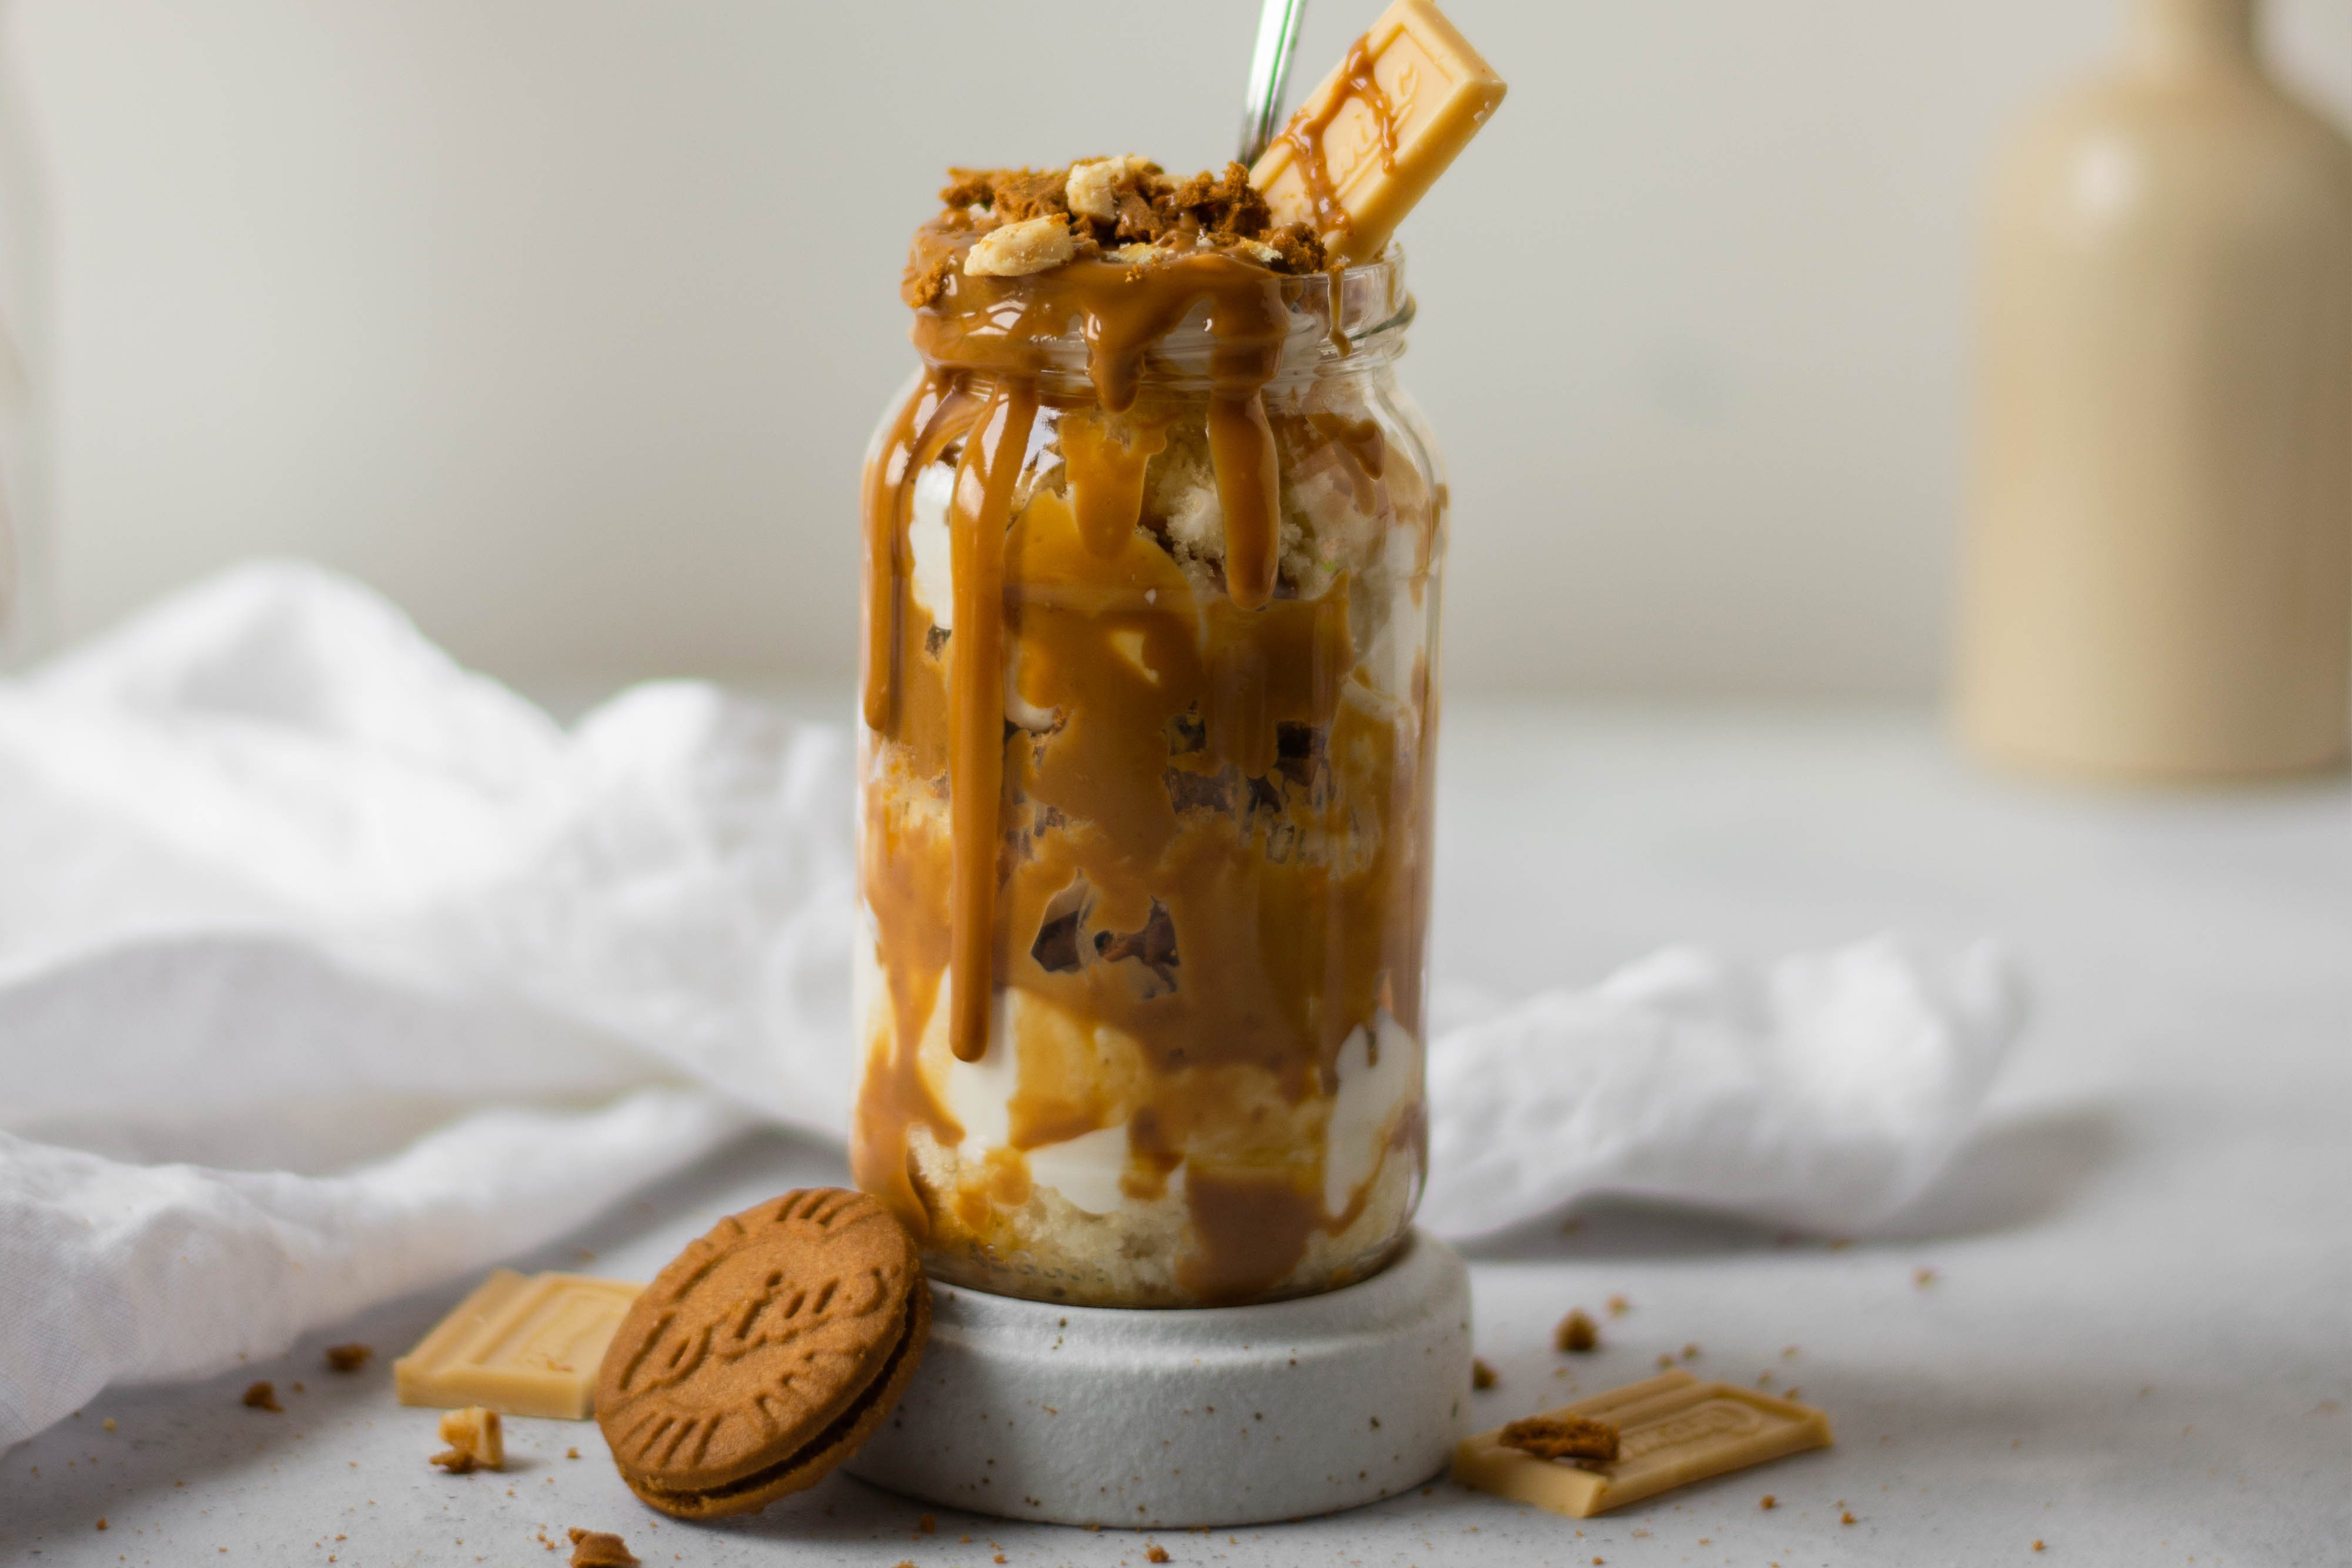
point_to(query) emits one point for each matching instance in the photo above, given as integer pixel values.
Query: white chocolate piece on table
(1672, 1430)
(527, 1347)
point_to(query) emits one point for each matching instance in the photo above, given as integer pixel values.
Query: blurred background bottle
(28, 598)
(2158, 581)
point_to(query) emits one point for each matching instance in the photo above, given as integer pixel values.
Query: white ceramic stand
(1219, 1417)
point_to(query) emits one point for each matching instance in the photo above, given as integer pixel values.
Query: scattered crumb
(348, 1358)
(101, 1522)
(599, 1549)
(1769, 1501)
(1618, 1306)
(1846, 1518)
(262, 1395)
(2037, 1546)
(109, 1422)
(1570, 1225)
(1690, 1353)
(1000, 1557)
(1155, 1553)
(1924, 1278)
(1576, 1334)
(477, 1441)
(1788, 1352)
(927, 1524)
(1482, 1376)
(1562, 1437)
(1664, 1362)
(571, 1453)
(1795, 1392)
(1763, 1380)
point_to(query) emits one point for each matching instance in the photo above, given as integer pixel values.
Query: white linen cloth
(329, 970)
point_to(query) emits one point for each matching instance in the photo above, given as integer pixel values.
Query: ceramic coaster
(1225, 1415)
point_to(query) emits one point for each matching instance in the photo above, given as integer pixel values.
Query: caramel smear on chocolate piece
(1562, 1437)
(524, 1346)
(1365, 148)
(1670, 1431)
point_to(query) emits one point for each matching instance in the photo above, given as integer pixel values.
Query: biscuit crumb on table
(263, 1395)
(477, 1441)
(1577, 1334)
(599, 1549)
(1155, 1553)
(1482, 1376)
(347, 1357)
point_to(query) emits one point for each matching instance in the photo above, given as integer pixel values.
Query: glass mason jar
(1152, 569)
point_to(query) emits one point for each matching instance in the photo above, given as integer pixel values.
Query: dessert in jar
(1152, 552)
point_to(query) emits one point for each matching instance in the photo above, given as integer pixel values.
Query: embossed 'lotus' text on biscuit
(763, 1354)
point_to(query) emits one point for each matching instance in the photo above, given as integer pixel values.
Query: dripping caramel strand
(1005, 331)
(982, 511)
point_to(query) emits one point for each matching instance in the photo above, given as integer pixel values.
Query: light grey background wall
(564, 321)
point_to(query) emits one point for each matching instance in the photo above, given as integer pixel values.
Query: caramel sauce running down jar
(1150, 584)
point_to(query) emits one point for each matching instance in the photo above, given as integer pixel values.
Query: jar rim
(1374, 309)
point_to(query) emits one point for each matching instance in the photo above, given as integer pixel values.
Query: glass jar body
(1208, 884)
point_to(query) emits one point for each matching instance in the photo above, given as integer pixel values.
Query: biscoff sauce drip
(1095, 866)
(1002, 334)
(1305, 134)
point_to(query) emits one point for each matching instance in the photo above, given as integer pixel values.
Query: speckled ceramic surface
(1225, 1417)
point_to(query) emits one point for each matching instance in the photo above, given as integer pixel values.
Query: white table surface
(2136, 1345)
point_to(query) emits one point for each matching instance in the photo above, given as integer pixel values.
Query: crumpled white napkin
(329, 970)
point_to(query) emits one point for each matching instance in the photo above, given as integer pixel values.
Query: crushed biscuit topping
(1013, 223)
(1017, 249)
